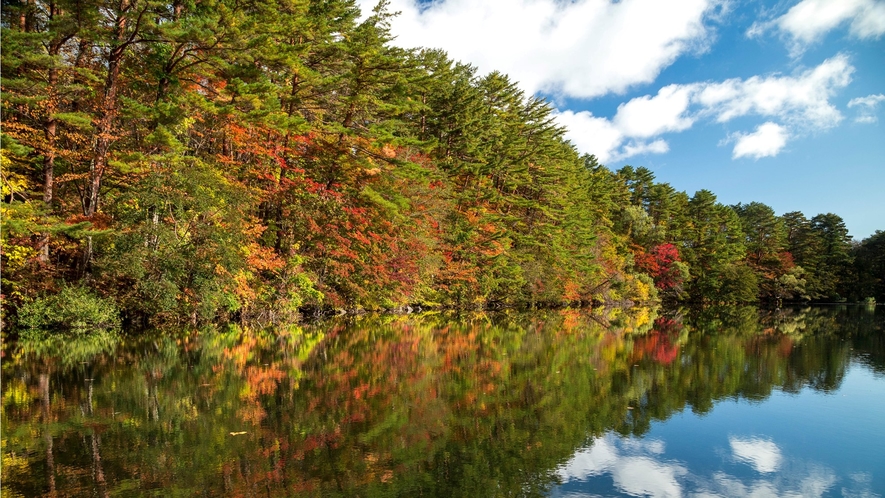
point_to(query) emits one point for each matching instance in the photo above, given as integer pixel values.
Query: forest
(197, 161)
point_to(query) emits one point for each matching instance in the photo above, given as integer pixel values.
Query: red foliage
(660, 344)
(658, 263)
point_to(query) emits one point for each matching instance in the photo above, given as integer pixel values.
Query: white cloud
(596, 460)
(592, 134)
(801, 103)
(659, 146)
(762, 454)
(867, 107)
(643, 476)
(589, 48)
(648, 116)
(868, 101)
(767, 141)
(580, 48)
(602, 137)
(809, 20)
(802, 99)
(635, 121)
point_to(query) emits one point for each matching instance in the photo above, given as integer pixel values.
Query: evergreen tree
(714, 248)
(766, 243)
(835, 256)
(869, 268)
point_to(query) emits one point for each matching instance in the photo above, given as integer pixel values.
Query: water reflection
(636, 467)
(505, 404)
(637, 470)
(761, 454)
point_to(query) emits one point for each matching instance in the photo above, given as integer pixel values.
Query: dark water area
(564, 403)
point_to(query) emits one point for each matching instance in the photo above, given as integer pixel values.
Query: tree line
(699, 249)
(193, 161)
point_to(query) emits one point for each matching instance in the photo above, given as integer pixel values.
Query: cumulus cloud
(868, 101)
(809, 20)
(649, 116)
(639, 468)
(587, 48)
(592, 134)
(603, 137)
(799, 103)
(801, 99)
(767, 141)
(866, 107)
(580, 48)
(635, 126)
(659, 146)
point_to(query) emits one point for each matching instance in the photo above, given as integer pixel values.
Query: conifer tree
(714, 248)
(766, 245)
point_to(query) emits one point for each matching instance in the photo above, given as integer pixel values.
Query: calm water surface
(722, 402)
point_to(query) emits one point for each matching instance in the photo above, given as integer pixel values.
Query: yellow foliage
(388, 151)
(17, 394)
(642, 290)
(13, 183)
(641, 317)
(16, 256)
(244, 290)
(13, 463)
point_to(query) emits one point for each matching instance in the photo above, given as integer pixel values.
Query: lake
(727, 402)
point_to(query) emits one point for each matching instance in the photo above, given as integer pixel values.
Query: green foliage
(73, 348)
(869, 267)
(766, 242)
(210, 160)
(792, 285)
(184, 250)
(72, 308)
(742, 253)
(738, 283)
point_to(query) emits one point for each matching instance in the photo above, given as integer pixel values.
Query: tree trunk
(49, 168)
(107, 115)
(47, 435)
(51, 134)
(98, 470)
(424, 117)
(103, 135)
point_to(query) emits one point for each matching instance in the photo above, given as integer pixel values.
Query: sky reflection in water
(729, 459)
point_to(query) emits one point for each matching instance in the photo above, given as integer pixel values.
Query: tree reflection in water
(432, 405)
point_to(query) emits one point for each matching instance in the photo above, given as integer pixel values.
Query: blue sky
(780, 102)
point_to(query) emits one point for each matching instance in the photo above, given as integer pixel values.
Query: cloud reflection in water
(632, 465)
(640, 468)
(763, 455)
